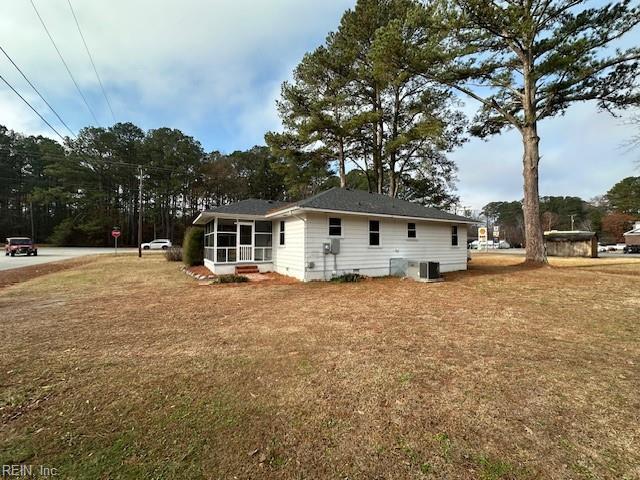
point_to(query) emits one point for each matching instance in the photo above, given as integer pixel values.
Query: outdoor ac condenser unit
(430, 270)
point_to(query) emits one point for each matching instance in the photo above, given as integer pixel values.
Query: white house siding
(432, 243)
(288, 259)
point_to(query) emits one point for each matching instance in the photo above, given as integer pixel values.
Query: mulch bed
(201, 273)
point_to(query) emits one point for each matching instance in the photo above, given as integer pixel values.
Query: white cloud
(581, 155)
(166, 63)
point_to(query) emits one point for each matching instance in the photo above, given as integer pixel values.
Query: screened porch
(229, 240)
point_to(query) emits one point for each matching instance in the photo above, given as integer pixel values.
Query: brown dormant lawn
(127, 368)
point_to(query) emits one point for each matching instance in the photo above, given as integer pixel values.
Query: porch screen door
(245, 242)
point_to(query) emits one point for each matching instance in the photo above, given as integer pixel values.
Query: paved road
(54, 254)
(520, 251)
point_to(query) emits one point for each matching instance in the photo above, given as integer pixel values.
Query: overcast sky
(213, 69)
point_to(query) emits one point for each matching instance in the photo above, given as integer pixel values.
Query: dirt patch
(126, 368)
(270, 278)
(22, 274)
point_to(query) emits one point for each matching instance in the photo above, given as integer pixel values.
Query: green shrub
(231, 278)
(193, 246)
(63, 233)
(347, 278)
(173, 254)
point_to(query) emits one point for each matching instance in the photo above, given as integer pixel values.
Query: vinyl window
(374, 233)
(454, 236)
(411, 230)
(282, 232)
(335, 227)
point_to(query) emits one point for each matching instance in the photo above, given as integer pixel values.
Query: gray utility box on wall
(335, 246)
(331, 247)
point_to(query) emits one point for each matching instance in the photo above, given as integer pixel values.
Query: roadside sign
(496, 232)
(115, 233)
(482, 237)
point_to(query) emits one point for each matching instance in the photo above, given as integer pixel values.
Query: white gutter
(205, 217)
(366, 214)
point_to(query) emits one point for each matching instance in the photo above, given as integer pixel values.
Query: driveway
(54, 254)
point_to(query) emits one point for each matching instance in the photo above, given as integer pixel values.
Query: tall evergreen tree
(525, 61)
(350, 103)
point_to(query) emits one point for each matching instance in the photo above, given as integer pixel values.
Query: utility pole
(33, 230)
(140, 214)
(572, 221)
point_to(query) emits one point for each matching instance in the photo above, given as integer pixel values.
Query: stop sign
(115, 233)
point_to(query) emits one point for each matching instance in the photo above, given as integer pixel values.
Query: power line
(86, 157)
(31, 107)
(64, 63)
(92, 62)
(36, 90)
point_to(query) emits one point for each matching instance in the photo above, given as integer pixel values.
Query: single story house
(334, 232)
(571, 243)
(632, 237)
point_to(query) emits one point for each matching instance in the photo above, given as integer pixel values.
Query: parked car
(631, 249)
(477, 245)
(17, 245)
(158, 244)
(602, 248)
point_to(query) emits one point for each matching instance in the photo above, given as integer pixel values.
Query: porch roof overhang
(205, 217)
(295, 210)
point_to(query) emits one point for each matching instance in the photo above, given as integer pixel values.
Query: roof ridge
(317, 195)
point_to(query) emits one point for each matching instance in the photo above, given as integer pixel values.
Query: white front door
(245, 242)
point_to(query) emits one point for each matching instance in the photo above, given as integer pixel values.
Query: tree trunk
(534, 239)
(392, 180)
(379, 139)
(341, 167)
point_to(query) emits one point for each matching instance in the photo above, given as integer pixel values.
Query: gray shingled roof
(343, 199)
(251, 206)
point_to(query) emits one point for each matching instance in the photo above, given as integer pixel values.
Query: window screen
(335, 227)
(374, 233)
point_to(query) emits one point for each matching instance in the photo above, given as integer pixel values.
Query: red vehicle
(17, 245)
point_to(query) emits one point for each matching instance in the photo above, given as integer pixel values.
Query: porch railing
(245, 253)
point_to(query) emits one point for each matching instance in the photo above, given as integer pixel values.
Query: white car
(158, 244)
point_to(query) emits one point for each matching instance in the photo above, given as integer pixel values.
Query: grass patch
(124, 368)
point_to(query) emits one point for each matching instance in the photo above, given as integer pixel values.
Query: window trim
(282, 234)
(414, 230)
(379, 232)
(455, 235)
(329, 227)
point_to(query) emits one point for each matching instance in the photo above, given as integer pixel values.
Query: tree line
(609, 215)
(74, 194)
